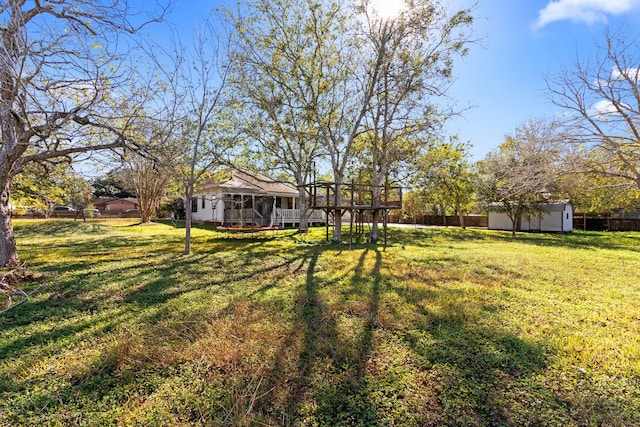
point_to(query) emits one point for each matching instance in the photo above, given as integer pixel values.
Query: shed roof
(550, 206)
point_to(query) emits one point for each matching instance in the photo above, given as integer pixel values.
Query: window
(194, 204)
(203, 201)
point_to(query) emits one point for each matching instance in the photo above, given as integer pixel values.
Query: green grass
(443, 327)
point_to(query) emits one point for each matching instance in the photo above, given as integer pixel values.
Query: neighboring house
(555, 216)
(115, 205)
(239, 197)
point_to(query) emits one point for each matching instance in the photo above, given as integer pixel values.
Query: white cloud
(587, 11)
(605, 109)
(631, 73)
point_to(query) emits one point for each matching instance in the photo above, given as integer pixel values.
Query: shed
(556, 216)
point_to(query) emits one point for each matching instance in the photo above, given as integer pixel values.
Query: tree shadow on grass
(73, 288)
(576, 240)
(323, 363)
(475, 365)
(330, 372)
(333, 382)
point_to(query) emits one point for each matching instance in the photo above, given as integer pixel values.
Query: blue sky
(521, 42)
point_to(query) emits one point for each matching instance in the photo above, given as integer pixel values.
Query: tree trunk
(8, 252)
(375, 230)
(444, 215)
(337, 226)
(515, 220)
(303, 226)
(337, 217)
(376, 200)
(187, 221)
(461, 216)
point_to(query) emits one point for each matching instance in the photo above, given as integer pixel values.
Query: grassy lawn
(443, 327)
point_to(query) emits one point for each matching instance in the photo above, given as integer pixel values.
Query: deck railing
(280, 217)
(292, 216)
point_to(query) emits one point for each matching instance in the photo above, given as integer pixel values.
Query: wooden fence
(77, 215)
(602, 222)
(437, 220)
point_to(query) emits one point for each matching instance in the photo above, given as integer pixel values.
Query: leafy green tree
(41, 188)
(520, 174)
(410, 57)
(282, 49)
(414, 203)
(78, 191)
(591, 191)
(35, 189)
(446, 176)
(597, 193)
(111, 185)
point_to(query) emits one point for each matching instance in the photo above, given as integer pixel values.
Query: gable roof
(245, 181)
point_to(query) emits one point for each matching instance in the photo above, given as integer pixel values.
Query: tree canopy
(64, 70)
(523, 171)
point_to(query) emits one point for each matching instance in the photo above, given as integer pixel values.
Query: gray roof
(245, 181)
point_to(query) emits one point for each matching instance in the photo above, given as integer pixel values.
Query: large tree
(112, 185)
(150, 174)
(387, 74)
(411, 59)
(602, 101)
(282, 50)
(444, 173)
(523, 171)
(150, 180)
(63, 70)
(41, 187)
(194, 110)
(593, 190)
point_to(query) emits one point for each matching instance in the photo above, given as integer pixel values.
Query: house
(115, 204)
(242, 198)
(554, 216)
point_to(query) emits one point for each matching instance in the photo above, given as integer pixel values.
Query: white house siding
(213, 209)
(274, 202)
(552, 221)
(287, 215)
